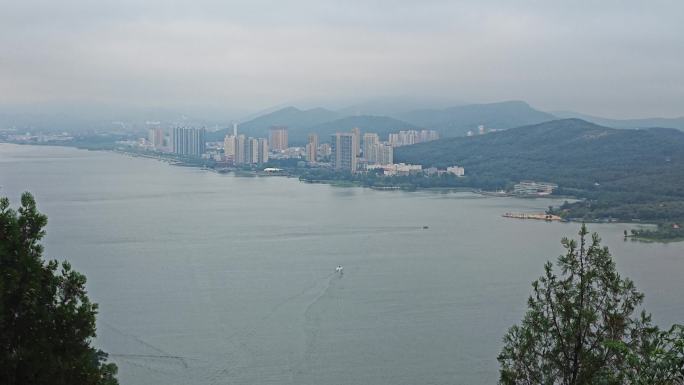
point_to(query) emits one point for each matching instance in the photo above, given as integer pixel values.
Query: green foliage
(665, 232)
(47, 321)
(621, 174)
(406, 182)
(580, 328)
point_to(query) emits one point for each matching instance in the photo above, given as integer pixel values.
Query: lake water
(205, 278)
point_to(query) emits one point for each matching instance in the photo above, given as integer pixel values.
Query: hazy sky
(608, 57)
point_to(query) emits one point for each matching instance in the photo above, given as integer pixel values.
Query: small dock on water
(538, 217)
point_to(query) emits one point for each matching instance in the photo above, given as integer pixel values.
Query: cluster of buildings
(481, 130)
(239, 149)
(183, 141)
(190, 142)
(534, 188)
(346, 152)
(409, 137)
(376, 152)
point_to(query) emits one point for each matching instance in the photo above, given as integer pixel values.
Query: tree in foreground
(47, 322)
(582, 327)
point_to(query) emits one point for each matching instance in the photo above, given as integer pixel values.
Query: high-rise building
(370, 140)
(229, 143)
(250, 150)
(262, 149)
(384, 154)
(312, 148)
(325, 149)
(357, 141)
(343, 157)
(240, 156)
(253, 145)
(278, 138)
(189, 141)
(156, 136)
(408, 137)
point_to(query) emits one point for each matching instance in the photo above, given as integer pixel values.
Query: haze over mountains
(449, 122)
(380, 117)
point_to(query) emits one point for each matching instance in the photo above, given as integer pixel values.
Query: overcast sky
(612, 58)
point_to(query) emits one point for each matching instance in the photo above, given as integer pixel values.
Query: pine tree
(581, 328)
(47, 322)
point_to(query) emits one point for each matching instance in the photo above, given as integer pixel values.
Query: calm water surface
(213, 279)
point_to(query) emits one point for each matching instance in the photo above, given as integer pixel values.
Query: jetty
(539, 217)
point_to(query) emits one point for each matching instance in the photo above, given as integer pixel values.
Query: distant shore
(661, 234)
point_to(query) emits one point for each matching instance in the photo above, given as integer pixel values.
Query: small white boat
(339, 269)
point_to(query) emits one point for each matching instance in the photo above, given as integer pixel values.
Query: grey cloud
(615, 58)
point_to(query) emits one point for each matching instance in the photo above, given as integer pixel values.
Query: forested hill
(571, 152)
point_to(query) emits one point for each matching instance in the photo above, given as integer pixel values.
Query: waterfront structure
(401, 169)
(312, 148)
(189, 141)
(278, 138)
(534, 188)
(456, 170)
(343, 156)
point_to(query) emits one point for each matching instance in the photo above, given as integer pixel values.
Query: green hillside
(624, 174)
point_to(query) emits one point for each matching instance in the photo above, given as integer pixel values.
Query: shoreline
(250, 173)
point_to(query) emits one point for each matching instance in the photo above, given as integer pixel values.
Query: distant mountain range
(319, 120)
(457, 121)
(449, 122)
(453, 121)
(382, 116)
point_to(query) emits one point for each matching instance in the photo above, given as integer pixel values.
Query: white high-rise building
(229, 147)
(370, 141)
